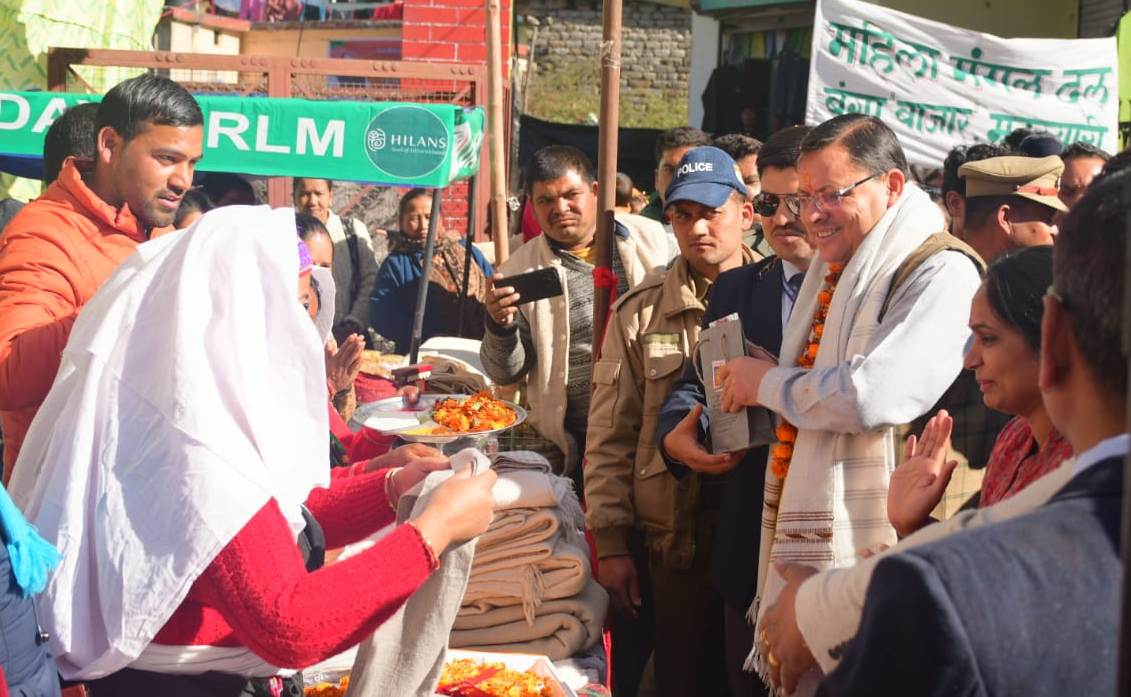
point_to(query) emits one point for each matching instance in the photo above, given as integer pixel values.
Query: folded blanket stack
(531, 589)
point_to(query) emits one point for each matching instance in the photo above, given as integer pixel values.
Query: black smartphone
(534, 285)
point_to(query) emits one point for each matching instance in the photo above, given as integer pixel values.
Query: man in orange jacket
(60, 248)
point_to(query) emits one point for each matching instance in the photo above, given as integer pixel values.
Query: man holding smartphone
(627, 486)
(549, 342)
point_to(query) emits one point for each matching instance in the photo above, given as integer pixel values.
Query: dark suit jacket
(1027, 607)
(754, 292)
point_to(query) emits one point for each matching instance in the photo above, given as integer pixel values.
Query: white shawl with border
(833, 501)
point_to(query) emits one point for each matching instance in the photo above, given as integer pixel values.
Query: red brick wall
(453, 31)
(450, 31)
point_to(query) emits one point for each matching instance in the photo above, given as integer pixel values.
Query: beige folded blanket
(540, 574)
(452, 376)
(562, 628)
(524, 489)
(524, 460)
(514, 529)
(525, 481)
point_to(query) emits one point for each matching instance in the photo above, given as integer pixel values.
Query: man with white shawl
(863, 352)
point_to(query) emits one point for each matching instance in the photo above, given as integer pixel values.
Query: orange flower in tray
(479, 412)
(328, 689)
(467, 677)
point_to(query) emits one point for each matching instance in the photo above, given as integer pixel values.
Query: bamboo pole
(607, 163)
(496, 149)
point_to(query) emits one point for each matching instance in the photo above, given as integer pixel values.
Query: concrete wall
(655, 56)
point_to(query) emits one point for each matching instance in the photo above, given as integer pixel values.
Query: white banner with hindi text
(938, 86)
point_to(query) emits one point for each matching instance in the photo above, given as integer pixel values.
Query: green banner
(429, 145)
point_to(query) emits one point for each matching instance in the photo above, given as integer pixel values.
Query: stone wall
(655, 56)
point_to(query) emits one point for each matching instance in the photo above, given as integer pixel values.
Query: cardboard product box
(752, 427)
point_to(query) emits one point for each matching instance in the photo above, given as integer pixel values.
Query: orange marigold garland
(786, 433)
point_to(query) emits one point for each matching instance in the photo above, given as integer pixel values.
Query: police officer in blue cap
(630, 494)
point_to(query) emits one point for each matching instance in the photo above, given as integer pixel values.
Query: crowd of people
(937, 511)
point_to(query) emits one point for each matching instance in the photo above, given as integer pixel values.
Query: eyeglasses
(766, 204)
(828, 199)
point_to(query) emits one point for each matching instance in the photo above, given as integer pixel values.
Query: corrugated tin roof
(1098, 17)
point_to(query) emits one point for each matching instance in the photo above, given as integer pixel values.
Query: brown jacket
(627, 485)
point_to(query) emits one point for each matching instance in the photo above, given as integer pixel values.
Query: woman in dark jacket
(394, 294)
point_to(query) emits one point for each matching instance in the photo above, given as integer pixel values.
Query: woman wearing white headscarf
(184, 434)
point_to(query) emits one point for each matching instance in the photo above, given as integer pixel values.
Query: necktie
(793, 286)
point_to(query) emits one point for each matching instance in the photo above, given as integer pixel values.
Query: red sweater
(257, 593)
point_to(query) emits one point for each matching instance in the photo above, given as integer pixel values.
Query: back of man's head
(1119, 162)
(147, 100)
(960, 155)
(226, 189)
(1088, 275)
(1079, 149)
(556, 161)
(72, 135)
(624, 189)
(680, 137)
(1040, 144)
(738, 145)
(1013, 140)
(782, 148)
(869, 142)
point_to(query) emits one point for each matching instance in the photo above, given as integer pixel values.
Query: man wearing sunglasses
(730, 486)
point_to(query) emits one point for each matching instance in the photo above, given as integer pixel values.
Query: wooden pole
(607, 163)
(495, 138)
(472, 222)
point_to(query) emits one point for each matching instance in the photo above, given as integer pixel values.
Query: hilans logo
(407, 141)
(375, 140)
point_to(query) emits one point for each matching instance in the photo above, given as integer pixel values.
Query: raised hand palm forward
(918, 484)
